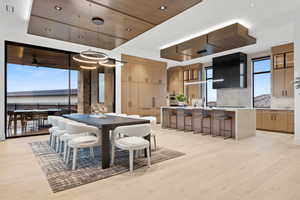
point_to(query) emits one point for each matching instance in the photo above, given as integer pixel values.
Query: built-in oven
(173, 100)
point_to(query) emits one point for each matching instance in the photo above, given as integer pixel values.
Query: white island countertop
(245, 118)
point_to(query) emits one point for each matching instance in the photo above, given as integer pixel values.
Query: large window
(211, 94)
(39, 82)
(262, 82)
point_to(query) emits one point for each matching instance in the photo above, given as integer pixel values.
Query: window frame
(206, 81)
(98, 92)
(262, 72)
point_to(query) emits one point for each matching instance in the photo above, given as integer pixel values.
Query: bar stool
(173, 119)
(222, 117)
(206, 115)
(188, 121)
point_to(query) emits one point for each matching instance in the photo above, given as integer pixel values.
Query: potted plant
(181, 99)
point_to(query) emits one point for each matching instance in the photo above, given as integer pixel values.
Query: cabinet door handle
(153, 102)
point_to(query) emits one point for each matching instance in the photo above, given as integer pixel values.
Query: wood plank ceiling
(227, 38)
(123, 19)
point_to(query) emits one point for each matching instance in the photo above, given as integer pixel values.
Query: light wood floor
(265, 167)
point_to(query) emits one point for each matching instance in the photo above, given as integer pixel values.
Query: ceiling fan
(35, 62)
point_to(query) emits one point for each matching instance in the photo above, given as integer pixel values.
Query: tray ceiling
(70, 20)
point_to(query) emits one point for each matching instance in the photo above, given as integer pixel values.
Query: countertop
(227, 108)
(207, 108)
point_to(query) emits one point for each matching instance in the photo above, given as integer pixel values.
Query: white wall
(297, 74)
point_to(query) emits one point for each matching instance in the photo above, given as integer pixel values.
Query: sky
(29, 78)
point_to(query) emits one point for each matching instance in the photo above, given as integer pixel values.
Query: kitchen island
(240, 122)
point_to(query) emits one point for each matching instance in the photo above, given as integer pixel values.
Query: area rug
(61, 177)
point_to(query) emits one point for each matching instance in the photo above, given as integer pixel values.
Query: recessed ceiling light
(128, 29)
(163, 7)
(58, 8)
(252, 4)
(98, 20)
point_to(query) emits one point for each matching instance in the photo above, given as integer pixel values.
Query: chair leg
(74, 158)
(50, 140)
(148, 157)
(131, 161)
(92, 154)
(57, 144)
(53, 142)
(112, 160)
(68, 156)
(65, 151)
(61, 147)
(154, 140)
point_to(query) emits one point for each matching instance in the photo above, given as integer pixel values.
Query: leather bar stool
(206, 115)
(222, 117)
(173, 119)
(188, 120)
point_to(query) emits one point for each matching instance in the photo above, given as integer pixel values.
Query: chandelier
(91, 60)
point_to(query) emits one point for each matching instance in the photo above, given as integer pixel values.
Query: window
(211, 94)
(101, 92)
(262, 82)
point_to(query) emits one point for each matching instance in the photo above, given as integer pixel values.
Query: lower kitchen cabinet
(275, 120)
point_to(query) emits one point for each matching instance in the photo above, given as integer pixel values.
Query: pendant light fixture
(91, 59)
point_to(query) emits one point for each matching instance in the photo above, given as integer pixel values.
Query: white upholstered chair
(133, 141)
(52, 120)
(91, 140)
(153, 123)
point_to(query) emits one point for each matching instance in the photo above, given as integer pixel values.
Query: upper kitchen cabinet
(175, 76)
(283, 70)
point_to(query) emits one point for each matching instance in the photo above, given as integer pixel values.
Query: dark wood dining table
(105, 124)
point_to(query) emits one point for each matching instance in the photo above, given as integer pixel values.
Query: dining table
(27, 112)
(106, 124)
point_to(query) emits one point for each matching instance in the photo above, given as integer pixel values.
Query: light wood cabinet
(290, 122)
(175, 81)
(289, 85)
(283, 71)
(275, 120)
(289, 59)
(278, 61)
(259, 119)
(283, 82)
(144, 87)
(278, 83)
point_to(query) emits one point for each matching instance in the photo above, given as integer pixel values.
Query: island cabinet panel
(275, 120)
(144, 87)
(290, 122)
(259, 119)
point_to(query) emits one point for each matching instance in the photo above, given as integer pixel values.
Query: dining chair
(90, 140)
(133, 141)
(153, 123)
(61, 130)
(84, 130)
(52, 121)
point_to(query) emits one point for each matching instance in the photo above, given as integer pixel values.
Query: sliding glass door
(39, 83)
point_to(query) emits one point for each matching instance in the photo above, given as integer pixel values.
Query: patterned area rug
(61, 177)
